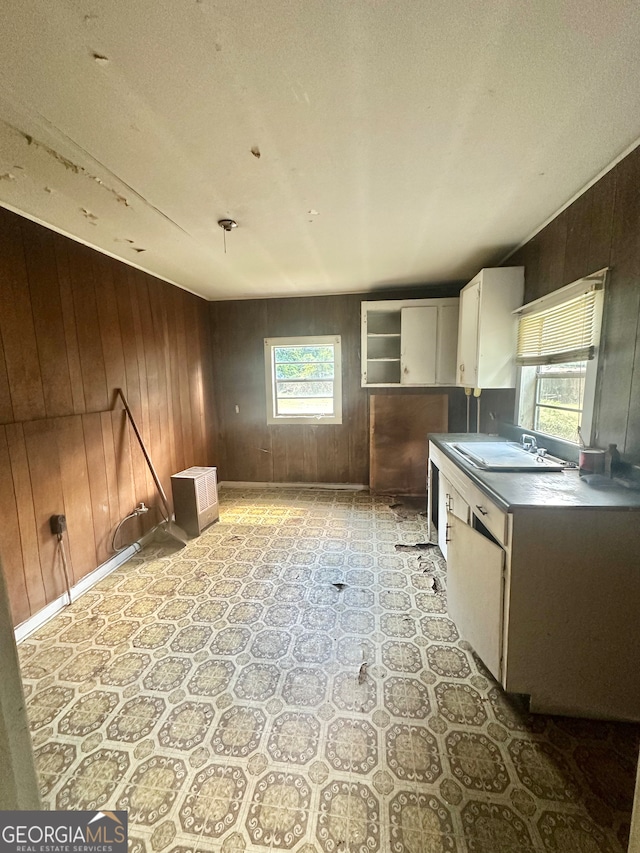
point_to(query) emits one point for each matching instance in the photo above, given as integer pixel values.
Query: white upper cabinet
(487, 328)
(409, 342)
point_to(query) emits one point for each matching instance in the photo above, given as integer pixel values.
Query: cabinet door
(468, 336)
(418, 335)
(447, 345)
(449, 500)
(475, 590)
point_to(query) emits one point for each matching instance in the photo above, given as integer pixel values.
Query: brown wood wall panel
(74, 326)
(16, 325)
(127, 493)
(111, 471)
(183, 377)
(600, 229)
(44, 471)
(6, 409)
(98, 485)
(68, 316)
(27, 529)
(109, 324)
(249, 450)
(85, 306)
(47, 318)
(74, 477)
(10, 545)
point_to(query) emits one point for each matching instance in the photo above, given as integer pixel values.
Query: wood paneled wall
(249, 450)
(75, 325)
(600, 229)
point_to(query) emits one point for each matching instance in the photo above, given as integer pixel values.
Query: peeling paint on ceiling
(392, 143)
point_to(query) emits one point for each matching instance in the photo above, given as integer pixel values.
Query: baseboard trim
(24, 629)
(241, 484)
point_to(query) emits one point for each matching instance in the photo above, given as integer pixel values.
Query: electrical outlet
(58, 524)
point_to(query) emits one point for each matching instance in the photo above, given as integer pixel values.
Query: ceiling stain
(135, 249)
(100, 58)
(93, 219)
(80, 170)
(7, 176)
(256, 152)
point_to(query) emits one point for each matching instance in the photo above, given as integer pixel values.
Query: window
(304, 380)
(557, 351)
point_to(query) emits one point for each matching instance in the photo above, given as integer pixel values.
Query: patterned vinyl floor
(291, 681)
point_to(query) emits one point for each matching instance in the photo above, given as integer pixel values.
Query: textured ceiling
(399, 142)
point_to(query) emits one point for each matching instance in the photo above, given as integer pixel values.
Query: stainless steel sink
(504, 456)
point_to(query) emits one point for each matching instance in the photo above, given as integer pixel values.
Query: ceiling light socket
(227, 224)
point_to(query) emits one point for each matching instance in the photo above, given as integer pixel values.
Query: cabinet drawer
(493, 518)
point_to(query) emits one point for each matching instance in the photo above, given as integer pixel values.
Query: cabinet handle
(447, 528)
(462, 368)
(482, 510)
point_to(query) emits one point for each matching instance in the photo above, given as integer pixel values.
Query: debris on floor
(362, 673)
(339, 586)
(419, 546)
(407, 507)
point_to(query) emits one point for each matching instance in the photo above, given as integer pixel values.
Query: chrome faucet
(529, 443)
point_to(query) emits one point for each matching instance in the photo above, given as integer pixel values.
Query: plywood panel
(44, 470)
(16, 325)
(10, 545)
(400, 425)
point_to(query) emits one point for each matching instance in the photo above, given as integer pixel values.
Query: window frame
(311, 419)
(587, 419)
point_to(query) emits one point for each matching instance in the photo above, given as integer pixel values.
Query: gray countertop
(530, 489)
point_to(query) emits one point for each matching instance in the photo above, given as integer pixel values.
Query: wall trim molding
(242, 484)
(24, 629)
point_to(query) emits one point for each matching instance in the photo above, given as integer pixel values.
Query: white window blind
(562, 333)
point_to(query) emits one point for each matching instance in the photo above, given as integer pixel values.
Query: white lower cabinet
(547, 595)
(451, 502)
(475, 579)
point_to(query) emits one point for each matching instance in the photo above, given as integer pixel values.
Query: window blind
(564, 332)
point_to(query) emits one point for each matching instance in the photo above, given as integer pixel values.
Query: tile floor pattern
(233, 699)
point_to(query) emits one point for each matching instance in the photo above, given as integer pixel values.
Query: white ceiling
(401, 141)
